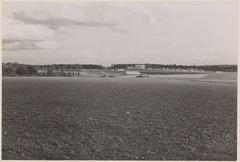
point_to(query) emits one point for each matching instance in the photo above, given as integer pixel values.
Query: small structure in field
(132, 72)
(121, 70)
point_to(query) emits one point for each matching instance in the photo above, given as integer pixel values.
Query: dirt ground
(118, 119)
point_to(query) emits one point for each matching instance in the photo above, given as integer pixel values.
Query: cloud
(28, 45)
(103, 15)
(17, 35)
(17, 31)
(35, 25)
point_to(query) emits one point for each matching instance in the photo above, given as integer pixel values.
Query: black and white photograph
(119, 80)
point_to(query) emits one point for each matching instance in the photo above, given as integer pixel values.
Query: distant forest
(214, 68)
(16, 69)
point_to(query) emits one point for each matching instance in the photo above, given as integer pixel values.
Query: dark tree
(21, 70)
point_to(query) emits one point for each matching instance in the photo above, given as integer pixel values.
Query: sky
(161, 32)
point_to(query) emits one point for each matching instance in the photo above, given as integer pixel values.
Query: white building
(140, 66)
(136, 67)
(132, 72)
(121, 70)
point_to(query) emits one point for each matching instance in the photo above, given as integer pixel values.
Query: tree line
(214, 68)
(16, 69)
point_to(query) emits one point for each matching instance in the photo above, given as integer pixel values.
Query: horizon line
(122, 64)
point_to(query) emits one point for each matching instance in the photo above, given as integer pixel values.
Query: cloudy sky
(187, 32)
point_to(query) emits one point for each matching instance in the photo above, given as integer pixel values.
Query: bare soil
(118, 119)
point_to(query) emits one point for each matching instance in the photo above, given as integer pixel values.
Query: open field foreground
(118, 118)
